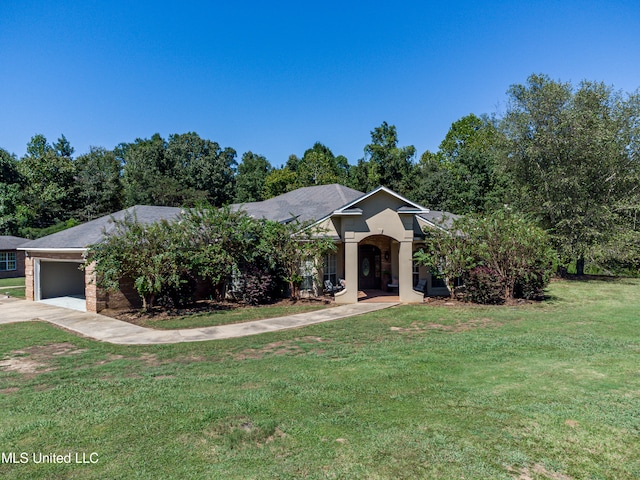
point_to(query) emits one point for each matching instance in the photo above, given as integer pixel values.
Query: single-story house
(376, 234)
(11, 259)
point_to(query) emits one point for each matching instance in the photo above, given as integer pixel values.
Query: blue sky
(276, 77)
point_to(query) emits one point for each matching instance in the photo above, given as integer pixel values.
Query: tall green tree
(98, 182)
(319, 166)
(11, 202)
(203, 166)
(387, 164)
(184, 171)
(250, 178)
(279, 181)
(145, 172)
(463, 176)
(49, 185)
(569, 159)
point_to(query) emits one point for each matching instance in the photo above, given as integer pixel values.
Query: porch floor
(377, 296)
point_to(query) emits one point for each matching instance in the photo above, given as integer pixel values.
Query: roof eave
(54, 250)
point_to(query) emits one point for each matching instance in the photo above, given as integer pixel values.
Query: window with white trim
(8, 261)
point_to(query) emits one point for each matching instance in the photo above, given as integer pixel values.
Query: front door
(368, 267)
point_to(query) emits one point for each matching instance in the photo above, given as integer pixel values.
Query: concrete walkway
(110, 330)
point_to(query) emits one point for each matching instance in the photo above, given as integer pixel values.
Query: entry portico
(377, 235)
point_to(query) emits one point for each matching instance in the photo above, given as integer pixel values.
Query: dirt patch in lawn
(8, 391)
(289, 347)
(37, 359)
(459, 326)
(536, 470)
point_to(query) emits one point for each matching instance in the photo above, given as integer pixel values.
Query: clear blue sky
(275, 77)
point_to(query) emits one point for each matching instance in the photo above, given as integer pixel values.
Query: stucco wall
(380, 224)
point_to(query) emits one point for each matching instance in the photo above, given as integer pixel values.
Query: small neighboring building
(11, 259)
(376, 234)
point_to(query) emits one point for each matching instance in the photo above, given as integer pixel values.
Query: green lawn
(16, 287)
(548, 391)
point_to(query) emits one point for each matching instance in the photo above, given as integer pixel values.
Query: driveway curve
(107, 329)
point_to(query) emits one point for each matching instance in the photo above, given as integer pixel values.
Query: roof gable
(409, 207)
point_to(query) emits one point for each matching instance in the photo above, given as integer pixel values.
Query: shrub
(258, 286)
(180, 294)
(484, 285)
(532, 283)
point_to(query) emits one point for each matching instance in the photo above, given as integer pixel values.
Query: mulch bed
(138, 317)
(457, 302)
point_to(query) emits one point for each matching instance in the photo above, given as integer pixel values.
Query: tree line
(564, 155)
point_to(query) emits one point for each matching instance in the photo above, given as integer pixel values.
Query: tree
(184, 171)
(202, 166)
(515, 254)
(144, 167)
(250, 179)
(150, 255)
(49, 187)
(514, 248)
(320, 167)
(568, 159)
(448, 253)
(219, 241)
(291, 245)
(279, 181)
(462, 177)
(11, 187)
(386, 163)
(98, 184)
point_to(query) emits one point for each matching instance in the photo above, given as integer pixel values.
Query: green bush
(484, 285)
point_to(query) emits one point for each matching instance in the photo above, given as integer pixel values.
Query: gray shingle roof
(92, 232)
(439, 218)
(8, 242)
(307, 203)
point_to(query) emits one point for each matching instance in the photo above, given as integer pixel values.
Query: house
(376, 234)
(11, 259)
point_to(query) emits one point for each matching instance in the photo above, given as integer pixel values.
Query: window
(306, 272)
(331, 268)
(7, 261)
(416, 273)
(437, 281)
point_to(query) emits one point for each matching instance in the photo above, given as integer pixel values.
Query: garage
(60, 283)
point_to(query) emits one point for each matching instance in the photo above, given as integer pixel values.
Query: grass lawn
(548, 391)
(16, 287)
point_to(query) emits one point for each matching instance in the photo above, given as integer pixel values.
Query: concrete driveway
(107, 329)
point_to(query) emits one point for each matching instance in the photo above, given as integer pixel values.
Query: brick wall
(19, 271)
